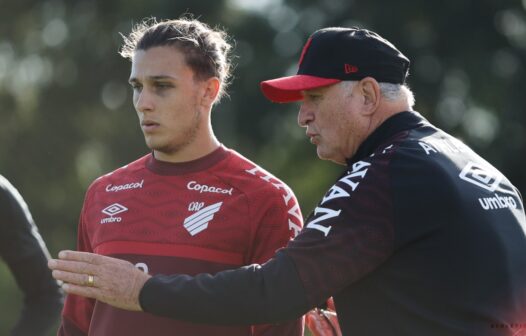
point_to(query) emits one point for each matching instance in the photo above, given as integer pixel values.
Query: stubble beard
(188, 137)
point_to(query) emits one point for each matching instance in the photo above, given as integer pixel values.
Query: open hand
(113, 281)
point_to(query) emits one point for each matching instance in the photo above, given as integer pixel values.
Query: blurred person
(419, 236)
(26, 255)
(192, 204)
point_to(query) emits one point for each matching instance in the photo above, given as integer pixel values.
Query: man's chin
(321, 154)
(330, 157)
(157, 147)
(164, 149)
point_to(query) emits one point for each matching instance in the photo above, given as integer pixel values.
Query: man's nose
(143, 101)
(305, 115)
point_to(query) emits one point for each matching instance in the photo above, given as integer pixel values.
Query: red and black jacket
(420, 236)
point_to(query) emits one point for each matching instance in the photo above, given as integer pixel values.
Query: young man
(26, 255)
(419, 236)
(191, 204)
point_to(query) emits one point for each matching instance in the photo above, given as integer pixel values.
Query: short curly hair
(206, 50)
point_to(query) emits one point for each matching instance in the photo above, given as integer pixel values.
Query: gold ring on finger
(91, 281)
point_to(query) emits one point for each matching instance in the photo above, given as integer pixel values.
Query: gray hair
(390, 92)
(396, 92)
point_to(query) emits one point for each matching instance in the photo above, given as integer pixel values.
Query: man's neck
(193, 151)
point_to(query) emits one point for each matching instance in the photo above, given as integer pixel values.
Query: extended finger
(72, 266)
(329, 314)
(330, 304)
(87, 257)
(73, 278)
(90, 258)
(332, 319)
(89, 292)
(317, 323)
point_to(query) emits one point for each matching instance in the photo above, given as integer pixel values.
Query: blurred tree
(67, 115)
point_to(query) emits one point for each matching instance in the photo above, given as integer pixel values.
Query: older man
(419, 236)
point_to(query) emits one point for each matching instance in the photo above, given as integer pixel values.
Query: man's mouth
(313, 137)
(149, 125)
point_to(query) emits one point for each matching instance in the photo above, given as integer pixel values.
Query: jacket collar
(395, 124)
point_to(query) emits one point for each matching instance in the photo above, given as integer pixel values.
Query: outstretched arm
(344, 239)
(255, 294)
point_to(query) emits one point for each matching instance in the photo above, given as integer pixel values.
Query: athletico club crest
(198, 221)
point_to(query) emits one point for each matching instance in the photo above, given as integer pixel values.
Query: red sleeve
(76, 315)
(279, 223)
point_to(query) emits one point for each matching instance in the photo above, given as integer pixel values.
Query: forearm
(270, 293)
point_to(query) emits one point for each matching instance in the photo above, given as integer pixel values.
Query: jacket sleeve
(348, 235)
(76, 316)
(26, 255)
(280, 222)
(255, 294)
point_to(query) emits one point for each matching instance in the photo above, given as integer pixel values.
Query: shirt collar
(180, 168)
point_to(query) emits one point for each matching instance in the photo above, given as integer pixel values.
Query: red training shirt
(215, 213)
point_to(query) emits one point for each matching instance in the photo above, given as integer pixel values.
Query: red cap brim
(288, 89)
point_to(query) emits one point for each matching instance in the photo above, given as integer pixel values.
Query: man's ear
(370, 89)
(209, 91)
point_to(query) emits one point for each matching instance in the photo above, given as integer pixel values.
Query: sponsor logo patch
(203, 188)
(112, 210)
(497, 202)
(475, 174)
(122, 187)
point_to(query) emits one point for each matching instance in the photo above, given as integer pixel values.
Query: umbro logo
(111, 211)
(477, 175)
(490, 181)
(114, 209)
(198, 221)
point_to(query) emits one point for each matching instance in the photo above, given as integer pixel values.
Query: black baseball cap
(332, 55)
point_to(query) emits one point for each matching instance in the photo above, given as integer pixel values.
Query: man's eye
(136, 86)
(163, 85)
